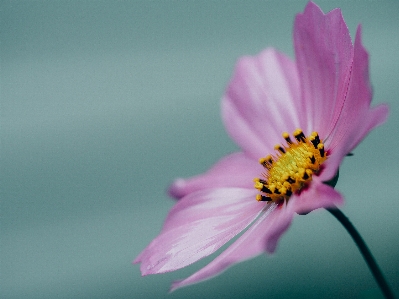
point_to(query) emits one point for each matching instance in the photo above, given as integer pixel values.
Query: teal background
(104, 103)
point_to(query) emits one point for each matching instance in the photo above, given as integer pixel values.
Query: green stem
(368, 257)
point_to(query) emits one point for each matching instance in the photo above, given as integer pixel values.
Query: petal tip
(311, 6)
(175, 285)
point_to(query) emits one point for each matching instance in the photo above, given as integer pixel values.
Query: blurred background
(104, 103)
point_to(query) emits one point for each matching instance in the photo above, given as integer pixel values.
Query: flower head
(323, 99)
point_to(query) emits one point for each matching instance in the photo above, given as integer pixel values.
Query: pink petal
(235, 170)
(197, 226)
(355, 119)
(261, 102)
(323, 51)
(373, 118)
(318, 195)
(262, 235)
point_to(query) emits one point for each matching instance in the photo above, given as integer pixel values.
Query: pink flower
(327, 90)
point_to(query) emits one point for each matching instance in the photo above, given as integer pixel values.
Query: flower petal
(197, 226)
(323, 51)
(261, 102)
(317, 195)
(355, 118)
(235, 170)
(261, 236)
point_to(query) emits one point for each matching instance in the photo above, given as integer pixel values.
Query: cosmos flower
(323, 99)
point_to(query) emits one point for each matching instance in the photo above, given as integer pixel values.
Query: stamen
(320, 147)
(262, 198)
(272, 188)
(261, 187)
(266, 190)
(287, 138)
(267, 160)
(259, 180)
(258, 185)
(292, 169)
(314, 138)
(298, 134)
(279, 148)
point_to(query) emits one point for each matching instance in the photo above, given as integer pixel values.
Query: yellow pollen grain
(258, 185)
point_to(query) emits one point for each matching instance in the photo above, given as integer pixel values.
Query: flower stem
(368, 257)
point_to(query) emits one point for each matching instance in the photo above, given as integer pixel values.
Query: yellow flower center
(292, 168)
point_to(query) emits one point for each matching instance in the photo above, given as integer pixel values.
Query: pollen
(292, 167)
